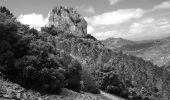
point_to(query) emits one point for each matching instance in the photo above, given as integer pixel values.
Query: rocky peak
(68, 19)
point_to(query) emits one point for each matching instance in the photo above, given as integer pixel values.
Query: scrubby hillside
(31, 58)
(61, 56)
(117, 73)
(156, 51)
(115, 43)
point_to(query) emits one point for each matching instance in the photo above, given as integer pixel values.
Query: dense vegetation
(31, 58)
(115, 72)
(51, 59)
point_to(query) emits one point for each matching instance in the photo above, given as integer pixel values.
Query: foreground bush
(89, 83)
(45, 68)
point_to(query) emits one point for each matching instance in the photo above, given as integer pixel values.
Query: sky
(130, 19)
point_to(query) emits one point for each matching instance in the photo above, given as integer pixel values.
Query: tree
(6, 11)
(9, 39)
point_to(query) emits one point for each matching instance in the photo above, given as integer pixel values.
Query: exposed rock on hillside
(68, 20)
(11, 91)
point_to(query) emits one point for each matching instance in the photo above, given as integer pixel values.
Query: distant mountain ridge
(116, 42)
(156, 51)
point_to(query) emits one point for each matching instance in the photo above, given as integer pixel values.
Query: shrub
(9, 39)
(73, 76)
(88, 36)
(112, 84)
(43, 68)
(6, 11)
(89, 83)
(52, 30)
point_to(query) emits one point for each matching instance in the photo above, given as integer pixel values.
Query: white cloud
(142, 26)
(115, 17)
(86, 9)
(34, 20)
(149, 29)
(112, 2)
(148, 20)
(90, 29)
(163, 5)
(108, 34)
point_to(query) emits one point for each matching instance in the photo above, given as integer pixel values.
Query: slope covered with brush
(63, 56)
(31, 58)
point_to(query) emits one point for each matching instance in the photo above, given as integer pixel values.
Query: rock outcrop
(67, 19)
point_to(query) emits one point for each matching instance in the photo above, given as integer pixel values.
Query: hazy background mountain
(114, 43)
(156, 51)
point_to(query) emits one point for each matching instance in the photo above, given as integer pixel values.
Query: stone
(9, 96)
(40, 98)
(67, 19)
(18, 95)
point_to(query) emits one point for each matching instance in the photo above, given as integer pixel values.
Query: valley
(156, 51)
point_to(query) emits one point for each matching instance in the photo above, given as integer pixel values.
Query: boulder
(67, 19)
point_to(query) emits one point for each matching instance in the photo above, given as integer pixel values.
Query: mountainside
(156, 51)
(114, 43)
(58, 57)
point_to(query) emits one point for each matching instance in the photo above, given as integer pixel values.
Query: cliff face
(69, 20)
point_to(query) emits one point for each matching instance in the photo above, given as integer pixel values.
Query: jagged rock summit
(67, 19)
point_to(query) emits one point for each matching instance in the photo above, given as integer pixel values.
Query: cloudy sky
(130, 19)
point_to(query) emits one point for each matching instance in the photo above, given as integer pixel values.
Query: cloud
(90, 29)
(112, 2)
(142, 26)
(163, 5)
(86, 9)
(115, 17)
(149, 28)
(34, 20)
(105, 35)
(150, 25)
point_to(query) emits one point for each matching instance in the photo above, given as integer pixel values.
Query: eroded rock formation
(67, 19)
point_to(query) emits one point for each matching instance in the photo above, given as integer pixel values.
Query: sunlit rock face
(67, 19)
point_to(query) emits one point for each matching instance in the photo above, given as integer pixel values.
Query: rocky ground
(12, 91)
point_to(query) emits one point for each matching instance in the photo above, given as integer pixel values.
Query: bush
(6, 11)
(9, 39)
(88, 36)
(89, 83)
(38, 73)
(73, 76)
(111, 84)
(43, 68)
